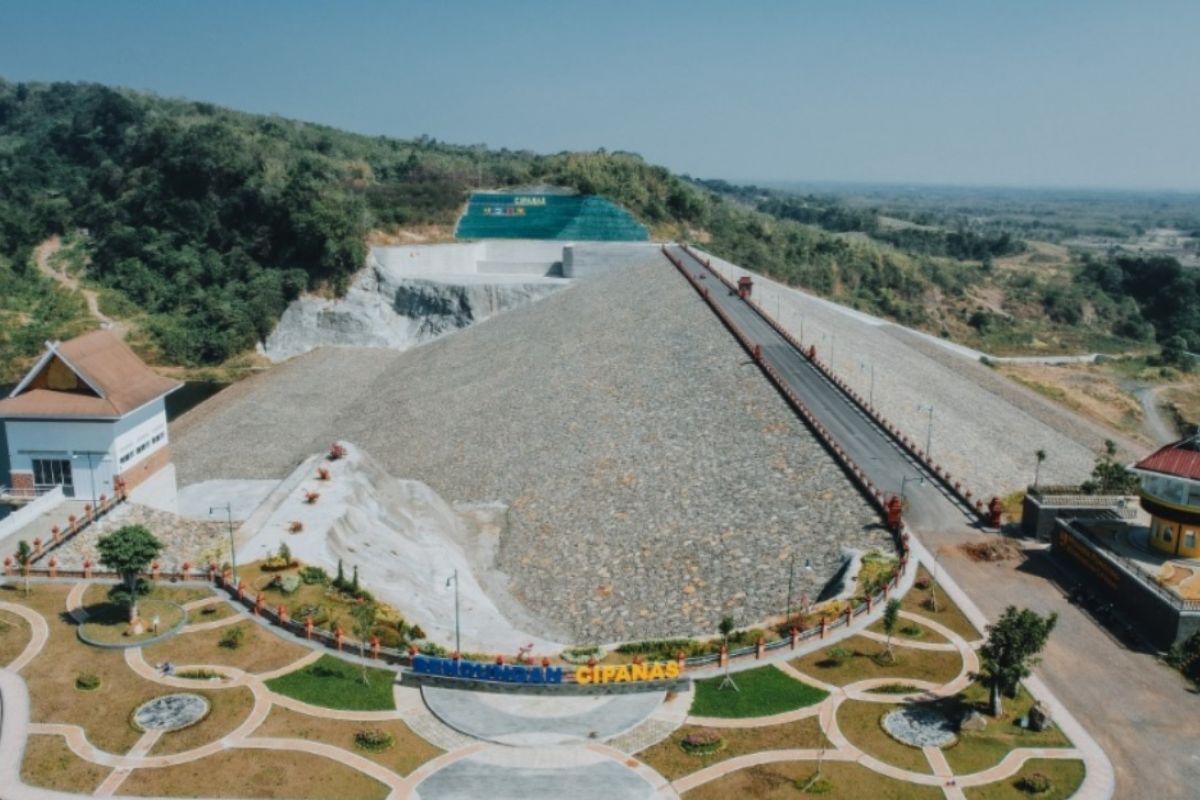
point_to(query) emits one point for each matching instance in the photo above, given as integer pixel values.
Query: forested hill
(199, 224)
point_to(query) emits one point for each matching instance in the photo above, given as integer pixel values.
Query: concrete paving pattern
(530, 720)
(513, 775)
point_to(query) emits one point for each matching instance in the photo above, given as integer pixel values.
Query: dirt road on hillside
(44, 255)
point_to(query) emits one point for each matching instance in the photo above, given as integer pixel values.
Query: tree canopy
(1011, 650)
(128, 551)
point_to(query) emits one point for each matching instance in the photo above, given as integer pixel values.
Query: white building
(89, 411)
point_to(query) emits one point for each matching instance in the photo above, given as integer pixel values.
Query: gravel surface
(986, 429)
(655, 480)
(184, 540)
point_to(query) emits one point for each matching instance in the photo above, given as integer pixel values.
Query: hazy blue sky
(1076, 93)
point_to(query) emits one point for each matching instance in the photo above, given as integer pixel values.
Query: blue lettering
(554, 674)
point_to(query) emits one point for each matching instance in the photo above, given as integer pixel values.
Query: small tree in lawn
(1040, 455)
(24, 560)
(1011, 651)
(891, 616)
(128, 551)
(364, 626)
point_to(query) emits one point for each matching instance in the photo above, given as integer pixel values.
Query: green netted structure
(503, 215)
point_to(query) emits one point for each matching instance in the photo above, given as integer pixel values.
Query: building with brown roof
(87, 413)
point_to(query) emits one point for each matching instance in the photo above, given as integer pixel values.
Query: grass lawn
(333, 683)
(860, 722)
(672, 761)
(228, 709)
(761, 692)
(979, 750)
(409, 752)
(777, 782)
(909, 664)
(254, 774)
(14, 636)
(97, 593)
(1065, 777)
(108, 622)
(907, 629)
(260, 650)
(104, 712)
(947, 614)
(50, 763)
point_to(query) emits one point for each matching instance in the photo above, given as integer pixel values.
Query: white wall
(28, 513)
(103, 440)
(503, 256)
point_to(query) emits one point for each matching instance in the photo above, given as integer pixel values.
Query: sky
(1070, 93)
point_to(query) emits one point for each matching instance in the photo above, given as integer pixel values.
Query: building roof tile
(1181, 459)
(114, 381)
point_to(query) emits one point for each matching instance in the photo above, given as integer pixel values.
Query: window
(141, 448)
(1189, 539)
(125, 458)
(158, 437)
(1166, 533)
(49, 472)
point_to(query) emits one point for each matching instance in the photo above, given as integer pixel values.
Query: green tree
(1174, 353)
(364, 625)
(1109, 476)
(891, 616)
(128, 551)
(1011, 651)
(24, 561)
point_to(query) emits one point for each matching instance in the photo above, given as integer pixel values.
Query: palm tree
(24, 560)
(891, 615)
(1037, 470)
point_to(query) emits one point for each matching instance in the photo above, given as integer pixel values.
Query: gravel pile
(986, 428)
(655, 481)
(184, 540)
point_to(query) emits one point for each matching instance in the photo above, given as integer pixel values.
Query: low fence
(955, 486)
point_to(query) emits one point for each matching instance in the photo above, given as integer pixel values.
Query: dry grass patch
(912, 631)
(1065, 777)
(860, 722)
(51, 764)
(409, 752)
(210, 612)
(257, 773)
(859, 658)
(15, 634)
(97, 593)
(980, 750)
(918, 601)
(778, 782)
(260, 650)
(228, 708)
(671, 761)
(104, 712)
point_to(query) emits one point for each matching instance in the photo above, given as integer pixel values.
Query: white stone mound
(405, 540)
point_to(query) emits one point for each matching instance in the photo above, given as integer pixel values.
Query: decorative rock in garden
(920, 726)
(973, 721)
(1039, 718)
(170, 712)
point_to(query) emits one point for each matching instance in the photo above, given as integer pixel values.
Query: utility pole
(228, 509)
(863, 365)
(792, 581)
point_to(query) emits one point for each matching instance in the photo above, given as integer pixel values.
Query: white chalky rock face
(392, 306)
(406, 543)
(170, 712)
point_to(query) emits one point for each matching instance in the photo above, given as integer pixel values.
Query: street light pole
(929, 432)
(457, 640)
(862, 365)
(228, 509)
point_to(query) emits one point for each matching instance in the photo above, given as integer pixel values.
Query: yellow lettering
(673, 669)
(622, 674)
(583, 675)
(606, 673)
(639, 672)
(656, 672)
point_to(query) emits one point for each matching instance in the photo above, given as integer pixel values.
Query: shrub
(838, 653)
(200, 674)
(913, 630)
(373, 740)
(336, 451)
(416, 632)
(702, 742)
(433, 649)
(665, 649)
(87, 681)
(211, 608)
(314, 576)
(1035, 783)
(232, 638)
(311, 497)
(923, 583)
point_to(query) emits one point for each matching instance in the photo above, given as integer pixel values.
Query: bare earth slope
(655, 480)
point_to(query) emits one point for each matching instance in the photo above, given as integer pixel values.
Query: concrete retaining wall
(23, 516)
(582, 259)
